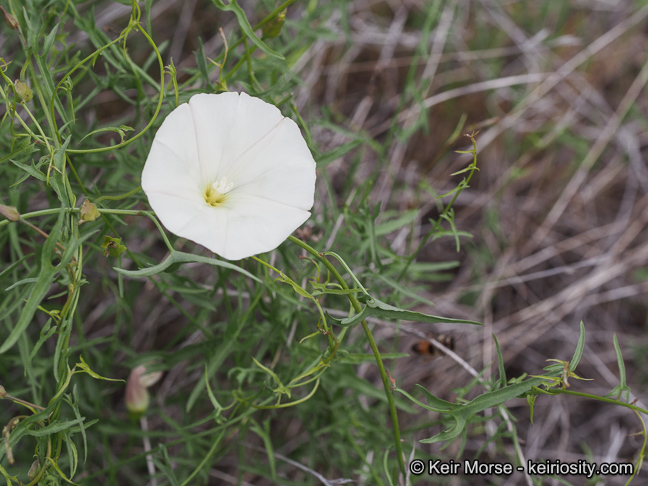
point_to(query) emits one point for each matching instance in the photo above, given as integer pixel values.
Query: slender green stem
(464, 184)
(594, 397)
(254, 257)
(117, 198)
(333, 341)
(211, 452)
(160, 97)
(241, 61)
(381, 367)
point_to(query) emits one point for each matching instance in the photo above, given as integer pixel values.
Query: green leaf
(30, 169)
(375, 307)
(264, 434)
(500, 363)
(55, 177)
(273, 28)
(112, 246)
(178, 258)
(325, 159)
(531, 401)
(435, 404)
(46, 332)
(58, 470)
(323, 289)
(345, 357)
(54, 427)
(246, 27)
(218, 408)
(49, 40)
(287, 280)
(461, 413)
(201, 64)
(622, 386)
(24, 281)
(74, 403)
(84, 368)
(10, 268)
(579, 348)
(72, 453)
(406, 218)
(42, 285)
(407, 292)
(120, 130)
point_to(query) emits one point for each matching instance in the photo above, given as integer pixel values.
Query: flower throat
(216, 194)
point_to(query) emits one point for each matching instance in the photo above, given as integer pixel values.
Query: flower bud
(273, 28)
(33, 470)
(11, 214)
(10, 20)
(137, 396)
(23, 91)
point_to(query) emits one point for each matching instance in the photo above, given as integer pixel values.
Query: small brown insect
(425, 348)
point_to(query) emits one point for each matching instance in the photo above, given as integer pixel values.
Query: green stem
(381, 367)
(117, 198)
(263, 22)
(210, 453)
(160, 97)
(333, 341)
(472, 168)
(594, 397)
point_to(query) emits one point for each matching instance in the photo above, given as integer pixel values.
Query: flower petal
(192, 220)
(226, 126)
(257, 225)
(172, 164)
(278, 167)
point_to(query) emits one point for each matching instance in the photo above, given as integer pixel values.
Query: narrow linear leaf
(500, 363)
(461, 413)
(325, 159)
(246, 27)
(61, 473)
(49, 40)
(84, 368)
(375, 307)
(178, 258)
(42, 285)
(359, 358)
(579, 348)
(55, 427)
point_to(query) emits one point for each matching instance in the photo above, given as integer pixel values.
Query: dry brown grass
(558, 209)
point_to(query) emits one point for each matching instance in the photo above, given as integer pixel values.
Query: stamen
(215, 194)
(223, 186)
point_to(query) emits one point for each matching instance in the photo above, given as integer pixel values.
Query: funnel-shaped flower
(229, 172)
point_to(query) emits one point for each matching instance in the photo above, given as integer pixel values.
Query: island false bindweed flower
(229, 172)
(137, 395)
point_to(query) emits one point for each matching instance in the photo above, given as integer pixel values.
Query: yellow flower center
(216, 194)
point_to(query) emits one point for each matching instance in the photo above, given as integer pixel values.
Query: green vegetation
(480, 172)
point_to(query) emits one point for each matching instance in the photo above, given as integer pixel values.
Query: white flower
(229, 172)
